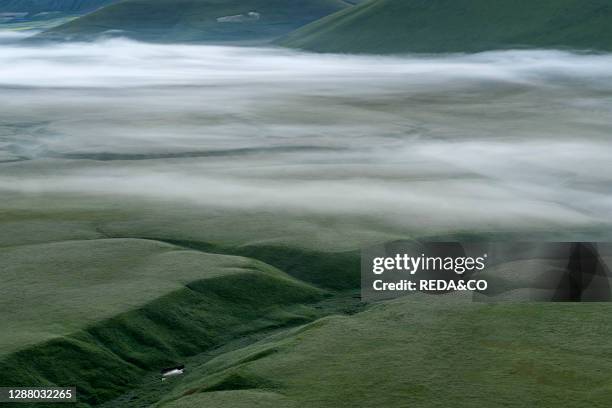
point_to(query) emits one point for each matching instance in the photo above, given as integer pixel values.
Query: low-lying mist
(499, 139)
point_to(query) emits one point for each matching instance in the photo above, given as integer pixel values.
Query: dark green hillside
(101, 313)
(24, 15)
(46, 6)
(399, 26)
(198, 20)
(419, 351)
(113, 310)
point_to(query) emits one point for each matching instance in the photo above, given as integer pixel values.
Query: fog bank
(496, 139)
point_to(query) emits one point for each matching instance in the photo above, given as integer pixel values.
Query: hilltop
(48, 6)
(24, 15)
(197, 20)
(432, 26)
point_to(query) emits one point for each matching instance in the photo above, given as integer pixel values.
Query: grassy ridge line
(196, 20)
(434, 26)
(419, 351)
(329, 270)
(54, 289)
(108, 358)
(40, 6)
(150, 391)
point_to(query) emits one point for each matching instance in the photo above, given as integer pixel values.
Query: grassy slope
(46, 14)
(195, 20)
(36, 24)
(111, 310)
(63, 6)
(398, 26)
(420, 352)
(109, 344)
(314, 250)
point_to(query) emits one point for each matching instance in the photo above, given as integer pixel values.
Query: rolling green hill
(432, 26)
(47, 6)
(418, 351)
(116, 293)
(198, 20)
(38, 15)
(110, 310)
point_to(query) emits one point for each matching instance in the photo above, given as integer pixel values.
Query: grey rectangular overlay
(38, 394)
(490, 271)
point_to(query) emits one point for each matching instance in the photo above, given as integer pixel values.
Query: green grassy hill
(432, 26)
(46, 6)
(39, 15)
(419, 351)
(198, 20)
(100, 313)
(115, 293)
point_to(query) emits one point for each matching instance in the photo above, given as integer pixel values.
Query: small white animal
(172, 372)
(240, 18)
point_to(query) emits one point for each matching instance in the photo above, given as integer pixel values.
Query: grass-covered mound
(198, 20)
(39, 15)
(98, 314)
(420, 351)
(331, 270)
(87, 301)
(432, 26)
(33, 7)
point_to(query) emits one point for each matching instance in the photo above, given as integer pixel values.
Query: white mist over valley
(497, 140)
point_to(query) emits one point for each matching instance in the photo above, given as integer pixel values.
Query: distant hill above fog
(42, 6)
(400, 26)
(198, 20)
